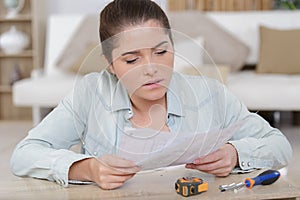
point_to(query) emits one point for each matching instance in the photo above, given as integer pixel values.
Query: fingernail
(196, 162)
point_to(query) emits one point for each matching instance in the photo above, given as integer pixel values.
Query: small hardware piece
(232, 186)
(188, 186)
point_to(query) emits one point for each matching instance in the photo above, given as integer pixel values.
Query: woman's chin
(152, 95)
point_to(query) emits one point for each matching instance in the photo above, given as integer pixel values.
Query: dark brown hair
(119, 14)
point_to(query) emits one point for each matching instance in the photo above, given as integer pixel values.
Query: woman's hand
(219, 163)
(109, 171)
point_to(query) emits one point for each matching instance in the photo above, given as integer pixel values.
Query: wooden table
(146, 185)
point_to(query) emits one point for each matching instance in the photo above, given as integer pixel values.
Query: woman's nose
(150, 68)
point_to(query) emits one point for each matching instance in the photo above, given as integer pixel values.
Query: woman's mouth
(152, 84)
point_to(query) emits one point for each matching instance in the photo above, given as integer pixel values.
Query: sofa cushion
(44, 91)
(221, 46)
(266, 91)
(90, 60)
(219, 72)
(279, 51)
(83, 53)
(182, 48)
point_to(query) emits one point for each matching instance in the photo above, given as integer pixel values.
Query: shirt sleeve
(258, 144)
(45, 153)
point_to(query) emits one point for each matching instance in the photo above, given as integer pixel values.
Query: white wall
(83, 6)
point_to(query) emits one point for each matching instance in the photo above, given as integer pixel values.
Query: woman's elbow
(18, 162)
(15, 164)
(286, 153)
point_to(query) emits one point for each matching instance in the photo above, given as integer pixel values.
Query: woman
(140, 90)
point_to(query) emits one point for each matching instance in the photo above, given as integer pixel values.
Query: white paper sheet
(153, 149)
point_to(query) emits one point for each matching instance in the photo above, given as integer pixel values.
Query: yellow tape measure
(188, 186)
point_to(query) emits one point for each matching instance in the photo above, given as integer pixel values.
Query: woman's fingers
(219, 172)
(118, 178)
(110, 171)
(214, 168)
(219, 163)
(208, 166)
(110, 181)
(117, 162)
(109, 186)
(119, 166)
(210, 158)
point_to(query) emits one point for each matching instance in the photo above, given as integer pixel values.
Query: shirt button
(129, 112)
(95, 153)
(249, 164)
(243, 164)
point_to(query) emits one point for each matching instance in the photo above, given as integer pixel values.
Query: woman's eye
(161, 52)
(131, 61)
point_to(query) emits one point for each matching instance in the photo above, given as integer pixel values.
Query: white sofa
(46, 87)
(258, 91)
(266, 92)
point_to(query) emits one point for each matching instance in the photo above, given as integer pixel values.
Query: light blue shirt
(97, 110)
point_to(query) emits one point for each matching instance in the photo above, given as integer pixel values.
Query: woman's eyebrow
(158, 45)
(129, 52)
(135, 52)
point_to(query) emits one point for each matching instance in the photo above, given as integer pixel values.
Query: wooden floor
(12, 132)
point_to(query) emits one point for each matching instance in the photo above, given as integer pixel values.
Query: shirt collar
(174, 102)
(119, 98)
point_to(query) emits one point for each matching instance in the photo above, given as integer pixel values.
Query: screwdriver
(265, 178)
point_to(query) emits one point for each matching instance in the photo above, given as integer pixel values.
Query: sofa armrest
(36, 73)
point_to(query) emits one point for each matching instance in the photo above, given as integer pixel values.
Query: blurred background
(251, 46)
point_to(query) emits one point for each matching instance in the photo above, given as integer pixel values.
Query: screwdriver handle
(265, 178)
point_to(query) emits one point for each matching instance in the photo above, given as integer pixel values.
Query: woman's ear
(110, 66)
(111, 69)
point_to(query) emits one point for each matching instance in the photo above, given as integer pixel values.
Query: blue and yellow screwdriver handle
(265, 178)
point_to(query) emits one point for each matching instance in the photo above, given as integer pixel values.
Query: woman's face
(143, 60)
